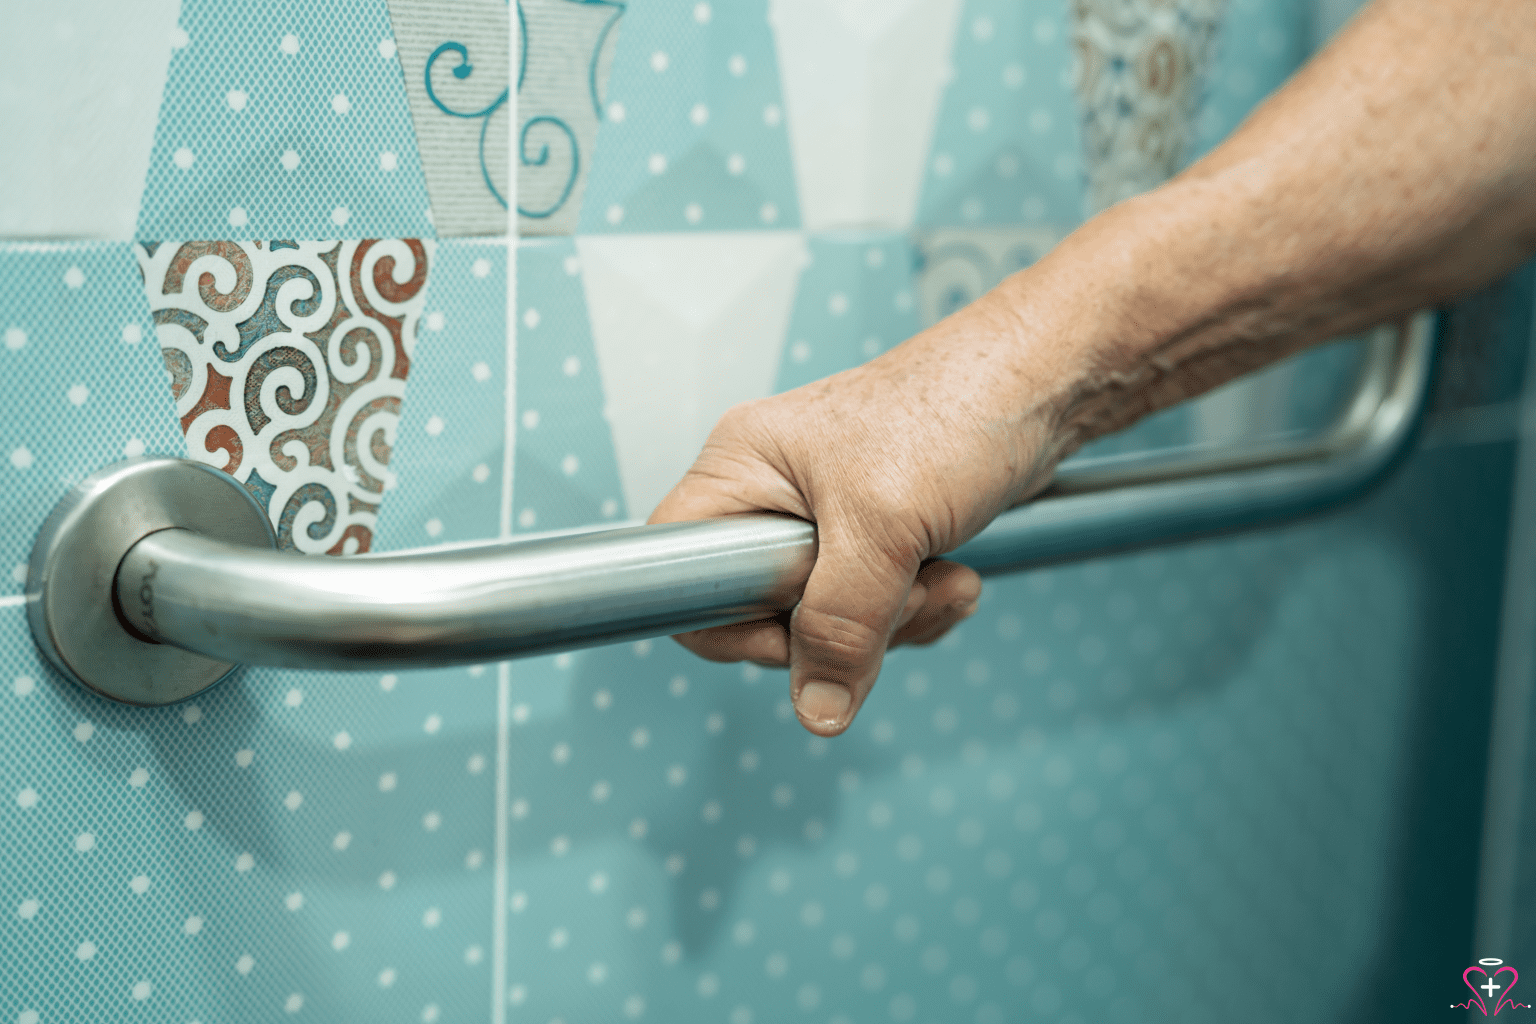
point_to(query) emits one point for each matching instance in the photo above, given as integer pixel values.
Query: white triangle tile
(685, 326)
(862, 80)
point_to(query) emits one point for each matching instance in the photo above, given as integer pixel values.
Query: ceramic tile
(288, 362)
(284, 120)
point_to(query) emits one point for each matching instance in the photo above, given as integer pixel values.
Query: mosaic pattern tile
(288, 361)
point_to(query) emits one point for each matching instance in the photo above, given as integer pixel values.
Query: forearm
(1396, 171)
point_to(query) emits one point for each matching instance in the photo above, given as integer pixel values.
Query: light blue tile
(694, 89)
(284, 119)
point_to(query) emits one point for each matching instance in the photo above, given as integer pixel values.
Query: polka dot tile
(76, 329)
(692, 137)
(284, 119)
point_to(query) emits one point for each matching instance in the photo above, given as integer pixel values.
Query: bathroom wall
(1234, 779)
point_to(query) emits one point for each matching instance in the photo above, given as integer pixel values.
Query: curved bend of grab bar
(420, 609)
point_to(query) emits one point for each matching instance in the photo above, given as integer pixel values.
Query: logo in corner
(1498, 985)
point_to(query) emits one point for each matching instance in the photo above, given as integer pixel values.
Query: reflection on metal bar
(209, 599)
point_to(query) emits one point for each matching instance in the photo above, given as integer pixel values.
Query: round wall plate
(70, 581)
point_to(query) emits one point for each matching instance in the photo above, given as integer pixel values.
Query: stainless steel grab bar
(153, 577)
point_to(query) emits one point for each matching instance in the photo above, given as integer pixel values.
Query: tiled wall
(1225, 780)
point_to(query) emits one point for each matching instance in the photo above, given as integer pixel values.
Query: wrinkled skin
(1394, 172)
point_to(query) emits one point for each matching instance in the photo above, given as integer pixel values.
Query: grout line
(509, 438)
(1515, 675)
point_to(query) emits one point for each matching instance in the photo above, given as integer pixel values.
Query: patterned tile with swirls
(288, 362)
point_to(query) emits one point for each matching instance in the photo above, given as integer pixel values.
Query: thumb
(840, 628)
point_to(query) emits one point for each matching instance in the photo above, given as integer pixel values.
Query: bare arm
(1395, 171)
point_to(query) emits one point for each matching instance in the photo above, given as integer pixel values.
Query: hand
(896, 461)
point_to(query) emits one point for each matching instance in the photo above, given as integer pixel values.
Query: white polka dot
(179, 38)
(1040, 120)
(526, 518)
(481, 473)
(85, 842)
(481, 372)
(16, 338)
(341, 841)
(737, 65)
(657, 163)
(139, 884)
(342, 740)
(616, 111)
(387, 782)
(27, 798)
(481, 267)
(27, 909)
(294, 1003)
(192, 714)
(659, 62)
(193, 821)
(23, 686)
(769, 213)
(294, 901)
(434, 425)
(610, 508)
(387, 48)
(236, 98)
(530, 419)
(340, 104)
(434, 527)
(772, 115)
(289, 44)
(943, 165)
(340, 941)
(572, 266)
(19, 577)
(84, 731)
(473, 859)
(387, 881)
(388, 161)
(388, 681)
(800, 351)
(735, 163)
(289, 160)
(634, 1006)
(571, 366)
(432, 918)
(340, 215)
(244, 757)
(699, 115)
(238, 217)
(979, 119)
(615, 214)
(435, 321)
(86, 950)
(971, 209)
(1013, 76)
(386, 977)
(78, 394)
(981, 29)
(21, 458)
(183, 158)
(531, 318)
(74, 277)
(133, 448)
(1045, 30)
(244, 863)
(903, 300)
(192, 925)
(702, 13)
(294, 800)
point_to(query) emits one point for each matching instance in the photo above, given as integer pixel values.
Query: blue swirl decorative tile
(284, 120)
(693, 135)
(455, 61)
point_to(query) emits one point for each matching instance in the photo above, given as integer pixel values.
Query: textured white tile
(862, 81)
(685, 327)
